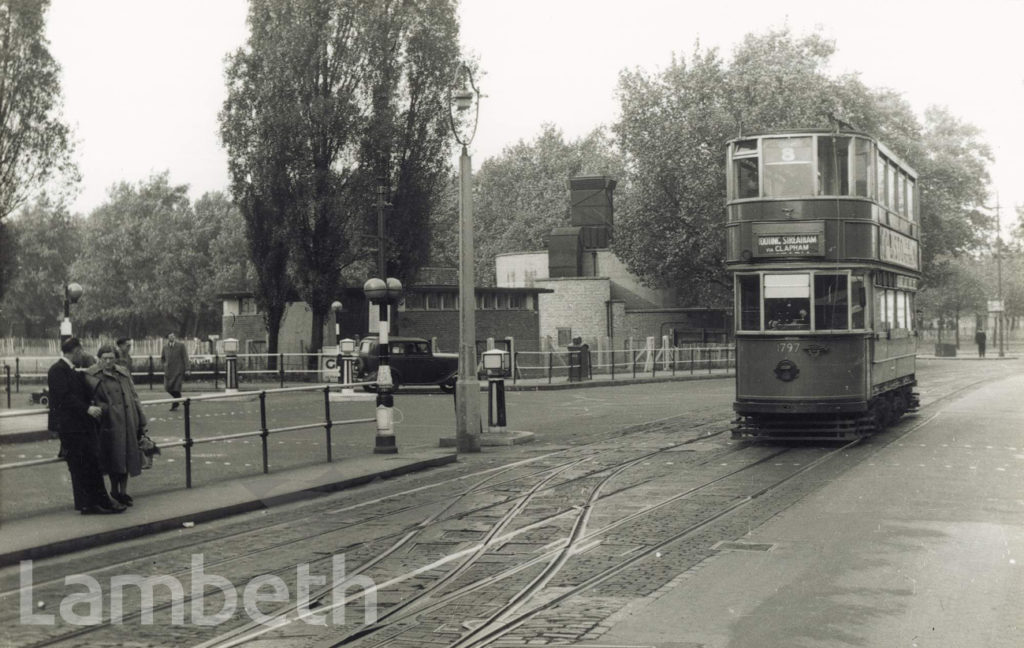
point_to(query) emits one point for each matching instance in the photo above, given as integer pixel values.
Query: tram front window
(831, 302)
(787, 302)
(788, 167)
(750, 302)
(834, 166)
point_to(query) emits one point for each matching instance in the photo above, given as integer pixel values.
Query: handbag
(149, 449)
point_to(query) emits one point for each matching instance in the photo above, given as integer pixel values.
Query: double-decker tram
(822, 239)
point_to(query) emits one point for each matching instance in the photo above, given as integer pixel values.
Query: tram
(822, 237)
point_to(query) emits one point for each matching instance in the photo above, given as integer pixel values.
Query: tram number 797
(789, 347)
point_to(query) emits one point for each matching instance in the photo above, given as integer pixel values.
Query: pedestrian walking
(174, 358)
(124, 354)
(76, 420)
(980, 338)
(122, 424)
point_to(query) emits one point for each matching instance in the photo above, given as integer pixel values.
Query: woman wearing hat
(122, 424)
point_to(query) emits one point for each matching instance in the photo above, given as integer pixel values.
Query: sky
(143, 79)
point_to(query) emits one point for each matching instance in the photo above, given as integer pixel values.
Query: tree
(521, 195)
(148, 261)
(672, 131)
(329, 100)
(675, 124)
(958, 289)
(44, 243)
(35, 145)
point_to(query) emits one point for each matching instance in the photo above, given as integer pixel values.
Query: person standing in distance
(76, 419)
(174, 358)
(124, 354)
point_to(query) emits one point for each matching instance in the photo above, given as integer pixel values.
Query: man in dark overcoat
(980, 339)
(175, 361)
(75, 418)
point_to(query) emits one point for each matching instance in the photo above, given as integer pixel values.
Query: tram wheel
(899, 405)
(880, 411)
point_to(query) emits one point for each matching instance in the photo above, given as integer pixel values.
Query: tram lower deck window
(787, 302)
(831, 302)
(749, 287)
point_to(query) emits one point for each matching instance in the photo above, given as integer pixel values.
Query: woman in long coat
(122, 424)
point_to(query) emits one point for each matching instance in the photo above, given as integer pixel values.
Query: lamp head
(74, 292)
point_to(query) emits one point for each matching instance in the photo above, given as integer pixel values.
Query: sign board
(329, 364)
(995, 305)
(805, 239)
(896, 248)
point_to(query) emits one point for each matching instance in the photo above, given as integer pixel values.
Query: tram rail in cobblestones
(404, 536)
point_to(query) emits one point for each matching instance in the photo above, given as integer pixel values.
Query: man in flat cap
(76, 417)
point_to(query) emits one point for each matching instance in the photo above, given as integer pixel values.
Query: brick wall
(579, 303)
(444, 325)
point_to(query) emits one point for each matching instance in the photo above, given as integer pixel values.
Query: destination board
(896, 248)
(789, 239)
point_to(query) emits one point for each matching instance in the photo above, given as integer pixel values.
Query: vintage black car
(413, 362)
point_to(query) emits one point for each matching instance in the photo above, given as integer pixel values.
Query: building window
(564, 336)
(517, 302)
(432, 301)
(414, 301)
(248, 306)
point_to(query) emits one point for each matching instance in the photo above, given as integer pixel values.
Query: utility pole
(381, 190)
(1000, 322)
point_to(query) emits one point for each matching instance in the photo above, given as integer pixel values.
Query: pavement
(920, 544)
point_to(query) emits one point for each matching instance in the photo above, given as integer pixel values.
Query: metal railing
(264, 432)
(633, 363)
(280, 368)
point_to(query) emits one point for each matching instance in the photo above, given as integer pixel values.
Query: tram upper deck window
(833, 166)
(749, 290)
(831, 302)
(744, 162)
(788, 168)
(910, 198)
(862, 158)
(787, 301)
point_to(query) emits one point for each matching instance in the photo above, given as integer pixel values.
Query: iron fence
(584, 364)
(328, 423)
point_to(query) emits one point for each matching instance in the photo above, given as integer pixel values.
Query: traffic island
(511, 438)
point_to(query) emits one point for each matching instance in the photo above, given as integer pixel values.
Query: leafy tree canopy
(35, 144)
(675, 123)
(329, 100)
(44, 242)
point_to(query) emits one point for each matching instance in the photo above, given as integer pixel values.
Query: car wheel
(44, 400)
(448, 386)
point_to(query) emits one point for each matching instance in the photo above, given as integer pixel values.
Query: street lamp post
(336, 307)
(384, 292)
(467, 402)
(1000, 322)
(72, 293)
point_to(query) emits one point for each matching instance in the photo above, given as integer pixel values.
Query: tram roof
(828, 131)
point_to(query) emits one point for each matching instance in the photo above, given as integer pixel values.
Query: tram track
(403, 537)
(556, 556)
(468, 557)
(320, 516)
(496, 483)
